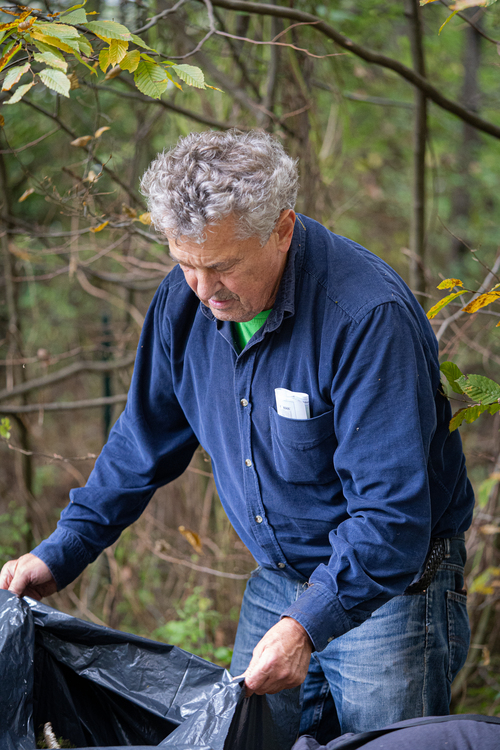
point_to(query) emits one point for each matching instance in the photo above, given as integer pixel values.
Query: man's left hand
(280, 660)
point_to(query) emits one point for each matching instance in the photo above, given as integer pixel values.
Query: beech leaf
(480, 389)
(102, 130)
(56, 80)
(131, 60)
(449, 283)
(191, 75)
(481, 301)
(52, 60)
(109, 30)
(452, 373)
(150, 79)
(442, 303)
(14, 75)
(20, 92)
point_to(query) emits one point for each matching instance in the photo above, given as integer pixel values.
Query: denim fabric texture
(347, 500)
(399, 664)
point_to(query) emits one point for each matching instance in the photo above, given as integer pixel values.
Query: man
(355, 514)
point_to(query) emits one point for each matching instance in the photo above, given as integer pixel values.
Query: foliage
(13, 528)
(195, 629)
(63, 41)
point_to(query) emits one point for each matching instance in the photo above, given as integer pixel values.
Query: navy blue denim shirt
(347, 499)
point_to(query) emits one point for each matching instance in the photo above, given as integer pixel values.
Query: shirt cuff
(64, 555)
(321, 615)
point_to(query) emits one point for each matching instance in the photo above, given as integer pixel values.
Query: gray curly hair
(208, 176)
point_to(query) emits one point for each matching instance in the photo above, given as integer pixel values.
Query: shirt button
(281, 565)
(244, 402)
(259, 519)
(248, 462)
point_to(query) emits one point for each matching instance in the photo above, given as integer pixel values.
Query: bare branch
(88, 403)
(198, 117)
(156, 550)
(67, 372)
(365, 54)
(28, 145)
(153, 21)
(278, 44)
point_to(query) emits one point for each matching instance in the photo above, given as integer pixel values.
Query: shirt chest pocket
(303, 448)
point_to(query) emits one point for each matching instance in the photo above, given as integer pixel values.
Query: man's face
(236, 279)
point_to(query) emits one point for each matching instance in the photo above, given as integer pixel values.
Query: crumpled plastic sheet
(103, 688)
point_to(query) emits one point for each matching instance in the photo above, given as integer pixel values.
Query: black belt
(433, 560)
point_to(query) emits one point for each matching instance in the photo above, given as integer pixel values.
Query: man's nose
(207, 284)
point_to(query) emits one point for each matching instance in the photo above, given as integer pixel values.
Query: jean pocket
(458, 631)
(303, 448)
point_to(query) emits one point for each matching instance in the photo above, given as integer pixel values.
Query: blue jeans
(399, 664)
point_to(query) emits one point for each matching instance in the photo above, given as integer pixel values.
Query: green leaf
(442, 303)
(109, 30)
(59, 30)
(9, 52)
(137, 40)
(85, 46)
(74, 16)
(5, 428)
(20, 92)
(452, 373)
(14, 75)
(56, 80)
(191, 75)
(447, 20)
(480, 389)
(150, 79)
(131, 61)
(52, 60)
(469, 413)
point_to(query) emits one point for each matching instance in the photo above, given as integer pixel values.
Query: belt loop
(447, 547)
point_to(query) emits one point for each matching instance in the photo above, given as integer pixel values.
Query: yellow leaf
(82, 141)
(145, 218)
(100, 227)
(193, 538)
(449, 284)
(117, 51)
(9, 55)
(2, 121)
(481, 301)
(113, 73)
(99, 132)
(26, 194)
(14, 76)
(104, 60)
(131, 61)
(442, 303)
(91, 177)
(54, 41)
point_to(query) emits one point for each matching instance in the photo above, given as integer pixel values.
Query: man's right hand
(28, 576)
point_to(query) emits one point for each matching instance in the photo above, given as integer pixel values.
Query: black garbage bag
(102, 688)
(459, 732)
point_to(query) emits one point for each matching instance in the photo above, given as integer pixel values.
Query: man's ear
(284, 229)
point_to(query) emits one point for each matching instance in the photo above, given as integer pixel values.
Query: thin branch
(365, 54)
(166, 105)
(153, 21)
(54, 456)
(28, 145)
(210, 32)
(88, 403)
(104, 167)
(474, 25)
(66, 372)
(200, 568)
(279, 44)
(110, 298)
